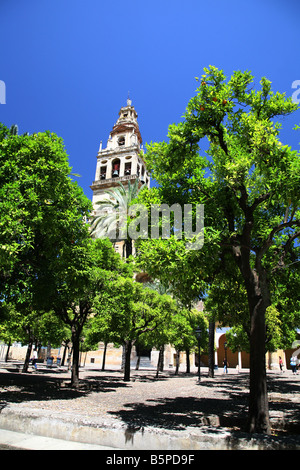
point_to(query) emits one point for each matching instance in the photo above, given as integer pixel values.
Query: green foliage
(176, 267)
(32, 326)
(238, 336)
(249, 184)
(128, 310)
(182, 330)
(80, 278)
(42, 212)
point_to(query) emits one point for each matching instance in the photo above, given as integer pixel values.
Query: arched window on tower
(121, 141)
(103, 172)
(128, 168)
(116, 168)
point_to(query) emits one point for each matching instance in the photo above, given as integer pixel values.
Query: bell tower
(122, 159)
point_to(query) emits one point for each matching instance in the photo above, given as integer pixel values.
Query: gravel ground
(169, 402)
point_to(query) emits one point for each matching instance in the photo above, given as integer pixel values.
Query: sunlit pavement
(10, 440)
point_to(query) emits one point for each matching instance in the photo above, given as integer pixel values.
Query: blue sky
(69, 64)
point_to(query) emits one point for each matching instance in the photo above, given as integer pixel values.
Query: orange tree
(249, 184)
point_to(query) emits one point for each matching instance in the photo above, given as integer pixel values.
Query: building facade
(122, 159)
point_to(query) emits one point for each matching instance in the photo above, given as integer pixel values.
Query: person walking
(225, 365)
(280, 363)
(293, 363)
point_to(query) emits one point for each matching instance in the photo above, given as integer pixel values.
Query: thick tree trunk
(128, 347)
(75, 362)
(160, 362)
(258, 298)
(211, 349)
(128, 248)
(258, 295)
(7, 352)
(161, 358)
(188, 362)
(27, 358)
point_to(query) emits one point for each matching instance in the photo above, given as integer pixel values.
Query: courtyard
(167, 405)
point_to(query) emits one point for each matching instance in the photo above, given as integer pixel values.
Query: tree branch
(286, 248)
(269, 240)
(259, 200)
(222, 142)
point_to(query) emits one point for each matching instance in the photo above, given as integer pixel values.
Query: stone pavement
(168, 413)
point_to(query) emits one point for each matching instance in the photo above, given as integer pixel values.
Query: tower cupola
(122, 159)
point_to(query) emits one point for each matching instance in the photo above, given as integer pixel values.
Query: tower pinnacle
(122, 160)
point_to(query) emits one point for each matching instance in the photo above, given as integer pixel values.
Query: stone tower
(122, 160)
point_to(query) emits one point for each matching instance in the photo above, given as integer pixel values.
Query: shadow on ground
(218, 402)
(18, 388)
(178, 413)
(228, 408)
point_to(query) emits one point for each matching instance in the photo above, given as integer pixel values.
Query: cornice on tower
(122, 159)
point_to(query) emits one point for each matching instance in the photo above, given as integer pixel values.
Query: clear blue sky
(69, 64)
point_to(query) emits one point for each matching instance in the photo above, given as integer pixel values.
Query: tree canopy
(42, 212)
(248, 181)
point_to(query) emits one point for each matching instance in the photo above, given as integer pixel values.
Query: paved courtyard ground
(171, 403)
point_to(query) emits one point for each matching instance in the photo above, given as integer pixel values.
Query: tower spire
(128, 100)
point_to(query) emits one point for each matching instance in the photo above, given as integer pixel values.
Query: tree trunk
(128, 347)
(69, 359)
(211, 349)
(160, 362)
(48, 349)
(7, 352)
(138, 362)
(177, 361)
(258, 298)
(188, 362)
(123, 357)
(128, 248)
(64, 355)
(104, 356)
(75, 362)
(27, 358)
(161, 358)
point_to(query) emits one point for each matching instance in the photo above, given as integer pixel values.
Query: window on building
(103, 172)
(121, 141)
(128, 168)
(116, 168)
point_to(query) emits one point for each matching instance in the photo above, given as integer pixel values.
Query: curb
(125, 438)
(13, 440)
